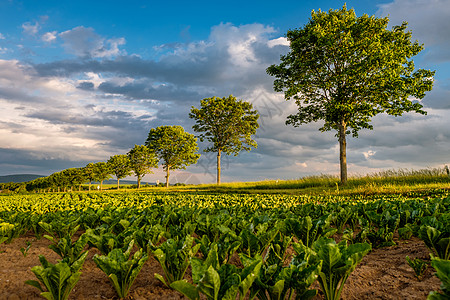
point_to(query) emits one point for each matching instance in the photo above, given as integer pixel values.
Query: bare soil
(382, 274)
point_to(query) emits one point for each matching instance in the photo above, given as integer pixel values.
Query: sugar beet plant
(59, 279)
(225, 238)
(121, 270)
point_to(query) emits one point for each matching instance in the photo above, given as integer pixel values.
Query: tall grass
(385, 181)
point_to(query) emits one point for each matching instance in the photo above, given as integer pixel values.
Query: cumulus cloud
(49, 37)
(84, 42)
(31, 29)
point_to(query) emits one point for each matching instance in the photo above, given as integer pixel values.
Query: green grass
(391, 181)
(386, 182)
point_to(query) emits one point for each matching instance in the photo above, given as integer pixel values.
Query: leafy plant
(105, 242)
(173, 256)
(306, 229)
(218, 282)
(256, 242)
(24, 250)
(438, 242)
(419, 266)
(59, 279)
(338, 261)
(442, 268)
(405, 233)
(121, 270)
(276, 281)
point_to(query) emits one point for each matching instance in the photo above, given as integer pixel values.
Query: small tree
(344, 70)
(142, 160)
(102, 172)
(174, 146)
(227, 123)
(120, 166)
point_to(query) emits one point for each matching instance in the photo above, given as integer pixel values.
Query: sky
(81, 81)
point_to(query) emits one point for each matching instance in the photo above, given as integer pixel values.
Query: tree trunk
(118, 183)
(343, 151)
(139, 181)
(101, 185)
(167, 176)
(90, 182)
(218, 166)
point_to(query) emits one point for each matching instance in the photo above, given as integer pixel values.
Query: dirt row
(382, 274)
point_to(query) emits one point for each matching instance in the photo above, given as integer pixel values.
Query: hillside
(19, 178)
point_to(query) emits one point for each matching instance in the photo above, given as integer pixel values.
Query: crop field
(211, 245)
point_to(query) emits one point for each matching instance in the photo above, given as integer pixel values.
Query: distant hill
(19, 178)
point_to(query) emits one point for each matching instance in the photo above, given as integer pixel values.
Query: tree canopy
(120, 166)
(343, 70)
(174, 146)
(227, 123)
(142, 160)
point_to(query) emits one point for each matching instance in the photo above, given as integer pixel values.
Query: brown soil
(382, 274)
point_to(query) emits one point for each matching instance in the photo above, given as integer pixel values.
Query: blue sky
(83, 80)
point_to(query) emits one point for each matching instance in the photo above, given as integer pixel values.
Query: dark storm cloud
(15, 161)
(118, 119)
(144, 90)
(86, 85)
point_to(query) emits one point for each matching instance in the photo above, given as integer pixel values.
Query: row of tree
(226, 123)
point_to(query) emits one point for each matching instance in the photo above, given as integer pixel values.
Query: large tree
(345, 69)
(120, 166)
(227, 123)
(142, 160)
(174, 146)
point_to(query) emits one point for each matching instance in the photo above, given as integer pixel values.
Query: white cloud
(31, 29)
(49, 36)
(2, 37)
(277, 42)
(84, 42)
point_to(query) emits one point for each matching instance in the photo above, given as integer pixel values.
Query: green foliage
(24, 250)
(419, 266)
(142, 160)
(218, 282)
(121, 270)
(105, 242)
(69, 251)
(338, 261)
(442, 268)
(437, 241)
(58, 279)
(344, 70)
(277, 281)
(175, 147)
(6, 232)
(307, 230)
(405, 233)
(255, 242)
(227, 123)
(174, 256)
(119, 166)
